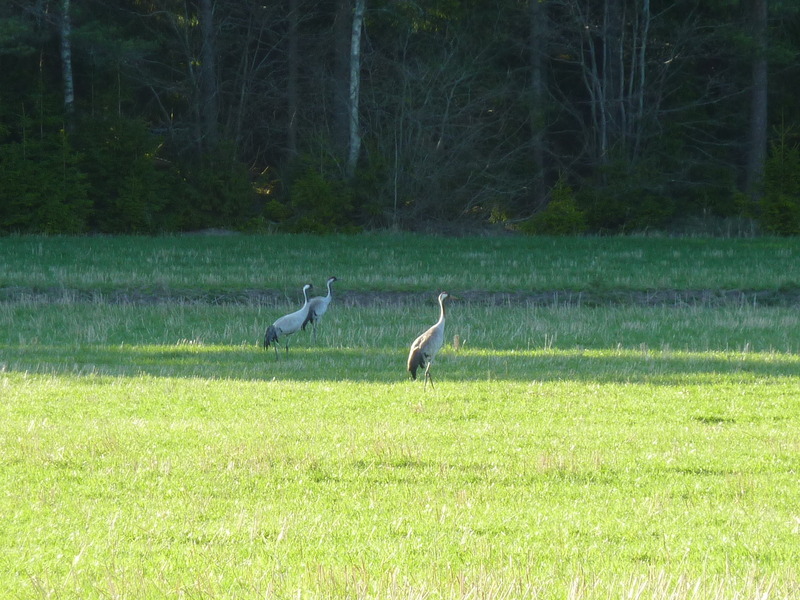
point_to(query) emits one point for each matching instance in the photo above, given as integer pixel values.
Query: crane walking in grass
(425, 347)
(317, 307)
(287, 324)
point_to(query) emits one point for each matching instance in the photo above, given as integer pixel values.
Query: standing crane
(317, 307)
(425, 347)
(287, 324)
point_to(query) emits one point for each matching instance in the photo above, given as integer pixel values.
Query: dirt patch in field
(265, 297)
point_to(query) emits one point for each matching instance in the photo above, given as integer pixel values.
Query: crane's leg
(428, 376)
(314, 323)
(276, 350)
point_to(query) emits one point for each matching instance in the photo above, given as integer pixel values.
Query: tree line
(543, 116)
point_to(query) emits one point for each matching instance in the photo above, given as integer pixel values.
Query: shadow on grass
(385, 365)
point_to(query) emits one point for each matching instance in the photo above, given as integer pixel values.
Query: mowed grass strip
(383, 261)
(158, 451)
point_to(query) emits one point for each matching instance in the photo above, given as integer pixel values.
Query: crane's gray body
(425, 347)
(287, 324)
(317, 307)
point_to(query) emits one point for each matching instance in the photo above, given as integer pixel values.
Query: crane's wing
(270, 336)
(418, 356)
(313, 311)
(292, 322)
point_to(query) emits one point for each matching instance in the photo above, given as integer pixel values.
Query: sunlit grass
(525, 327)
(158, 451)
(219, 487)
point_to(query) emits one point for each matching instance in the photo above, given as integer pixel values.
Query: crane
(287, 324)
(317, 307)
(425, 347)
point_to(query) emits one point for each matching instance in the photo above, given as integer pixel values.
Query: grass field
(614, 451)
(397, 262)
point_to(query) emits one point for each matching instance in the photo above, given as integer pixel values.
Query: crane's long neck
(305, 297)
(329, 289)
(441, 308)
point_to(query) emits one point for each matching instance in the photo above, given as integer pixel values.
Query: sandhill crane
(317, 307)
(425, 347)
(287, 324)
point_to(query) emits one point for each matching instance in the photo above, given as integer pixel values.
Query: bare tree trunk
(66, 66)
(618, 75)
(638, 126)
(613, 73)
(291, 84)
(355, 83)
(757, 146)
(538, 47)
(341, 72)
(236, 117)
(599, 72)
(209, 92)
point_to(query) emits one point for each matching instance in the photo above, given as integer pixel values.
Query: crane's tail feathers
(415, 361)
(310, 316)
(270, 336)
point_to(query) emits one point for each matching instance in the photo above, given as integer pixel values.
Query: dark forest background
(542, 116)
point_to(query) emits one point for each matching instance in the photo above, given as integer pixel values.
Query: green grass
(396, 262)
(156, 486)
(157, 451)
(567, 451)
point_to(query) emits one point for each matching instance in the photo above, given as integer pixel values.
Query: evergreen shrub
(216, 193)
(780, 206)
(621, 199)
(43, 190)
(320, 205)
(561, 216)
(128, 191)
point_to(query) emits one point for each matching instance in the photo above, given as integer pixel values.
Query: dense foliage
(550, 116)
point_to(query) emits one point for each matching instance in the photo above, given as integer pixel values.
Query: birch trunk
(342, 32)
(354, 147)
(66, 65)
(757, 147)
(638, 126)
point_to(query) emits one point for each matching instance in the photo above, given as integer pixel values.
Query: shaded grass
(396, 262)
